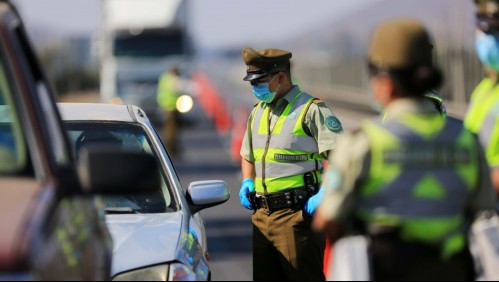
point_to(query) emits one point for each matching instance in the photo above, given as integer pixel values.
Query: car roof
(95, 111)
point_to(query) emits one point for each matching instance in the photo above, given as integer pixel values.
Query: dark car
(51, 222)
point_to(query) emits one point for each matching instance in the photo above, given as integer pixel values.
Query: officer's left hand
(313, 202)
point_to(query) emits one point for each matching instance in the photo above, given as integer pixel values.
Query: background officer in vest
(288, 137)
(169, 90)
(483, 114)
(413, 182)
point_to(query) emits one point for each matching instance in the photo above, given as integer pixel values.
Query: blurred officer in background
(413, 182)
(288, 137)
(169, 90)
(483, 113)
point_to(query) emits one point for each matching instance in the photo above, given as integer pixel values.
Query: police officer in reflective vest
(169, 90)
(483, 114)
(413, 182)
(288, 137)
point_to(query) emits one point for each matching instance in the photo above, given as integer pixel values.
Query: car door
(50, 230)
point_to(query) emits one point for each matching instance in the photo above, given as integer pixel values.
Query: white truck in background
(139, 40)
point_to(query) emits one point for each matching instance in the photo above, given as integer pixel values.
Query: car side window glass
(13, 155)
(122, 137)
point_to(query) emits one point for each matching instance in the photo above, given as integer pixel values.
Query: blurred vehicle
(52, 226)
(139, 41)
(159, 236)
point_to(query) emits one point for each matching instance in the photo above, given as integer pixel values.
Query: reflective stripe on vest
(483, 118)
(285, 152)
(422, 172)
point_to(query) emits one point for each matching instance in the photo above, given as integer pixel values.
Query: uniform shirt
(349, 165)
(314, 123)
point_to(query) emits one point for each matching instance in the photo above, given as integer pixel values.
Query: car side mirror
(109, 171)
(208, 193)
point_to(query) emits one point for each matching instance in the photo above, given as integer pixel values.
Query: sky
(214, 23)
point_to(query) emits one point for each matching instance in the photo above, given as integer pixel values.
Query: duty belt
(282, 200)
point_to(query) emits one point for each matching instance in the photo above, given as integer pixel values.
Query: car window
(13, 156)
(127, 137)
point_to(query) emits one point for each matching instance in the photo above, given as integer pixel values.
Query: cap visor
(253, 76)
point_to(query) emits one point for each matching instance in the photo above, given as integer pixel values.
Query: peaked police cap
(263, 62)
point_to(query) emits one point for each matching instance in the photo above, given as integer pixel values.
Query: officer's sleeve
(246, 151)
(347, 166)
(484, 197)
(323, 125)
(492, 150)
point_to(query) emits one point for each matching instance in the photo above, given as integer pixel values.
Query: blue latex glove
(247, 187)
(313, 202)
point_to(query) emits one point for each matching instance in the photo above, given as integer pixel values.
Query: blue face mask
(262, 91)
(487, 47)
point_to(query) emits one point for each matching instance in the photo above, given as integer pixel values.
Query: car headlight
(164, 272)
(153, 273)
(184, 103)
(180, 272)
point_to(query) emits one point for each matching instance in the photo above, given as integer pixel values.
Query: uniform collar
(295, 90)
(287, 98)
(405, 106)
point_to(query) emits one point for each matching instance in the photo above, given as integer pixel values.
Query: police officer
(483, 114)
(412, 182)
(169, 90)
(288, 137)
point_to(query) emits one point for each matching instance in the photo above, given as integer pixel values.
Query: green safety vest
(422, 171)
(168, 92)
(483, 118)
(284, 153)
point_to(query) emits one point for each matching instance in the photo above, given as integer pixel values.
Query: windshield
(123, 136)
(154, 44)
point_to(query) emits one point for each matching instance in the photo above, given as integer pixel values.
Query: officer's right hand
(247, 187)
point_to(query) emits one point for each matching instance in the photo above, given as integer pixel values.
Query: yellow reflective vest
(422, 172)
(168, 91)
(284, 153)
(483, 118)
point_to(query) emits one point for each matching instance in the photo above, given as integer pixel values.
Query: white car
(160, 235)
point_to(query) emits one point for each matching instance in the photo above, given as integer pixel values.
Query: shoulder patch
(333, 124)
